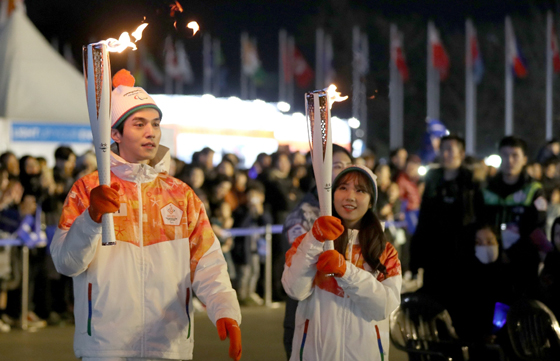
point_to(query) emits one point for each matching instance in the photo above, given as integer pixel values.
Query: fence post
(24, 287)
(268, 267)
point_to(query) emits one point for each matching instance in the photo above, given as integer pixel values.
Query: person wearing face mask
(481, 287)
(516, 205)
(346, 294)
(550, 275)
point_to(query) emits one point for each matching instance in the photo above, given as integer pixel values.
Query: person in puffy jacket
(134, 300)
(347, 294)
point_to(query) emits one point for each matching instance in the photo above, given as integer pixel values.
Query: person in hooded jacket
(134, 300)
(347, 294)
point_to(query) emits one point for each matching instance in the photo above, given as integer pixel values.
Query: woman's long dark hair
(371, 236)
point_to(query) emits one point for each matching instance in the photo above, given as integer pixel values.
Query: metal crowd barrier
(24, 234)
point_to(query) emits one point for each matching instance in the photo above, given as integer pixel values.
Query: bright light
(234, 99)
(360, 133)
(493, 160)
(353, 123)
(208, 96)
(298, 116)
(259, 101)
(283, 107)
(422, 170)
(357, 147)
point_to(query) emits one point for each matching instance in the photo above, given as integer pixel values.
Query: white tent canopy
(36, 83)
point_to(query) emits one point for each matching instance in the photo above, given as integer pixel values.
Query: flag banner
(440, 59)
(184, 68)
(476, 58)
(302, 71)
(516, 59)
(330, 73)
(554, 50)
(398, 57)
(250, 57)
(152, 70)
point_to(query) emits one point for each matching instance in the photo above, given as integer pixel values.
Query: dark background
(82, 22)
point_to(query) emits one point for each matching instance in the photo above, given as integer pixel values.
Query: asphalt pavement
(261, 333)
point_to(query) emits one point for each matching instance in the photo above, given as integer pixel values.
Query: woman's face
(351, 200)
(32, 167)
(485, 237)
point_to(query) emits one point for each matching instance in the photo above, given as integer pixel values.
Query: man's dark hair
(207, 150)
(338, 149)
(513, 142)
(554, 160)
(275, 157)
(454, 137)
(4, 157)
(120, 128)
(395, 151)
(63, 153)
(255, 185)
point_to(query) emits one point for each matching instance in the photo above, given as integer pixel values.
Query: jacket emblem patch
(171, 215)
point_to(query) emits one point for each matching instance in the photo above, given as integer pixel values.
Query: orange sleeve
(77, 200)
(390, 259)
(200, 233)
(293, 249)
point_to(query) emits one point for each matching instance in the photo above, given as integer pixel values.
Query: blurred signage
(60, 133)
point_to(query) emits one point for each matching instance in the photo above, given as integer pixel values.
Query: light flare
(334, 96)
(194, 26)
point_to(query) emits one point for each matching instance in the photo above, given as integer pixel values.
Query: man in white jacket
(134, 300)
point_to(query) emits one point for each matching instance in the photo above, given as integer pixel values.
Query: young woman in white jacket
(346, 294)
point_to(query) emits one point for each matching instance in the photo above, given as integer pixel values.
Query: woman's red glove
(327, 228)
(227, 326)
(102, 200)
(332, 262)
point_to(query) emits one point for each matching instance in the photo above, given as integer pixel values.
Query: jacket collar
(140, 173)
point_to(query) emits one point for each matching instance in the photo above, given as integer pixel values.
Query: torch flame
(334, 96)
(138, 32)
(114, 45)
(194, 26)
(176, 7)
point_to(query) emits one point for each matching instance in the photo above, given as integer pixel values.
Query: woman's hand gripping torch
(97, 73)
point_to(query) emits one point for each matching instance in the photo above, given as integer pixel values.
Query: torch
(97, 74)
(318, 110)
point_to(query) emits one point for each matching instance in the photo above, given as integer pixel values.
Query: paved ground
(261, 330)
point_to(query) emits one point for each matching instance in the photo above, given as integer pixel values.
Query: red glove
(327, 228)
(332, 262)
(103, 199)
(227, 326)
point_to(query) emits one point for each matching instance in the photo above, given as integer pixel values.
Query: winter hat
(368, 173)
(127, 99)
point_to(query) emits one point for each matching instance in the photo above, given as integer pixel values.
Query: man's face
(284, 164)
(13, 165)
(452, 155)
(70, 164)
(139, 141)
(513, 160)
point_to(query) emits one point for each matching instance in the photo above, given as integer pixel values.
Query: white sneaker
(4, 327)
(34, 321)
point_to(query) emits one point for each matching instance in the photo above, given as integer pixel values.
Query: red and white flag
(302, 71)
(398, 57)
(516, 59)
(440, 59)
(554, 50)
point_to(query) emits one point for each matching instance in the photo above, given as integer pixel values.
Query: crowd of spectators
(478, 234)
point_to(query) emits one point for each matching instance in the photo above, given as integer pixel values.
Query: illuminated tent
(36, 82)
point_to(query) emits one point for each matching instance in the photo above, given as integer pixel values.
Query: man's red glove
(327, 228)
(227, 326)
(103, 199)
(332, 262)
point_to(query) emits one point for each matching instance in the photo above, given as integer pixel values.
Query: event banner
(60, 133)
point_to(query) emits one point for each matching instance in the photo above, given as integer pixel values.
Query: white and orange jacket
(134, 299)
(346, 318)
